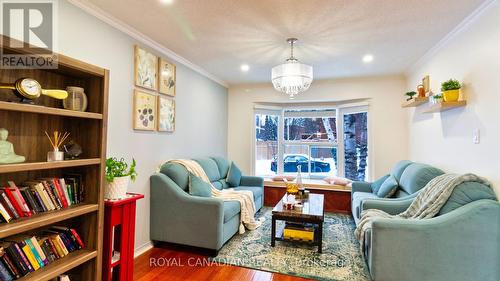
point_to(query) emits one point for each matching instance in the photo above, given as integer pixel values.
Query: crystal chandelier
(292, 77)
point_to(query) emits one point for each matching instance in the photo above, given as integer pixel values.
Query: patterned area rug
(340, 260)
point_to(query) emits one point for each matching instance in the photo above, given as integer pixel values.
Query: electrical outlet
(475, 136)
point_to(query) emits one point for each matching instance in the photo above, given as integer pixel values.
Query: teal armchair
(206, 222)
(461, 243)
(411, 178)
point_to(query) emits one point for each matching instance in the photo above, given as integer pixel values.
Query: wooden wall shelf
(414, 102)
(12, 106)
(32, 166)
(27, 125)
(43, 219)
(445, 105)
(61, 266)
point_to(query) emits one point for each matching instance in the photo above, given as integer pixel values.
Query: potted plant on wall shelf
(410, 95)
(437, 99)
(451, 90)
(118, 176)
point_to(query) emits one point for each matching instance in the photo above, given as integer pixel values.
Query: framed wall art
(145, 69)
(167, 77)
(145, 111)
(166, 114)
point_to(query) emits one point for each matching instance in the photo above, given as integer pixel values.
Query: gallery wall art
(146, 69)
(167, 77)
(145, 111)
(166, 114)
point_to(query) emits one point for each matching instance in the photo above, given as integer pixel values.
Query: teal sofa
(411, 178)
(205, 222)
(461, 243)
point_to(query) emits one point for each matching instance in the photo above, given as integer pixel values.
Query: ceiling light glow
(167, 2)
(367, 58)
(245, 67)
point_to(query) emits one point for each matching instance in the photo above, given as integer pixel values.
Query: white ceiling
(220, 35)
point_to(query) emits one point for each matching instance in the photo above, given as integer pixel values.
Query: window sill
(310, 184)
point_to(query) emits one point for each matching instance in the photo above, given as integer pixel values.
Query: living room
(249, 140)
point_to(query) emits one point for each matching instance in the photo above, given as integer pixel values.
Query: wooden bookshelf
(445, 105)
(27, 124)
(414, 102)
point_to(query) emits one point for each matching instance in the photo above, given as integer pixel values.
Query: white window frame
(339, 113)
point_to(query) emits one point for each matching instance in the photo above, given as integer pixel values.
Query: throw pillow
(337, 181)
(283, 178)
(388, 187)
(233, 176)
(198, 187)
(376, 184)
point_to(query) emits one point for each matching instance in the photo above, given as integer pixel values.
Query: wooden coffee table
(312, 212)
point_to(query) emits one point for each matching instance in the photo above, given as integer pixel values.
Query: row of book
(22, 254)
(38, 196)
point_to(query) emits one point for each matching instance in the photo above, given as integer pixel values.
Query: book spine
(34, 252)
(52, 199)
(29, 255)
(5, 215)
(39, 200)
(67, 242)
(60, 192)
(39, 250)
(20, 199)
(57, 245)
(6, 202)
(53, 248)
(70, 193)
(45, 197)
(46, 250)
(21, 266)
(10, 266)
(61, 244)
(64, 188)
(13, 201)
(78, 239)
(30, 201)
(23, 257)
(5, 274)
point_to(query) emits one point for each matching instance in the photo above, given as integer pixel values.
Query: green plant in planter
(449, 85)
(118, 168)
(437, 97)
(410, 95)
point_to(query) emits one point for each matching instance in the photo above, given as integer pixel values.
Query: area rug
(340, 260)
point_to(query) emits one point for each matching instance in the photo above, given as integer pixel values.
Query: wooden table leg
(320, 237)
(273, 232)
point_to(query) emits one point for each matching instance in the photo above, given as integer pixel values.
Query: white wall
(445, 140)
(387, 120)
(201, 127)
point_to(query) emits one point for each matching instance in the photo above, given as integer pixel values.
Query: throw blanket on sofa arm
(245, 198)
(426, 205)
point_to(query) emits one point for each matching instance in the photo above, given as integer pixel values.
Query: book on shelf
(24, 253)
(38, 196)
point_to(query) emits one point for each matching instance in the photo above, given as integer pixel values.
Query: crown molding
(461, 27)
(132, 32)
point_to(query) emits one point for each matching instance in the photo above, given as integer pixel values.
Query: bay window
(320, 142)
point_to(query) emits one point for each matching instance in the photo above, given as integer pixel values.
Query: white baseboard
(143, 248)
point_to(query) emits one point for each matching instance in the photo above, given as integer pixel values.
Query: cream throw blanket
(245, 197)
(425, 205)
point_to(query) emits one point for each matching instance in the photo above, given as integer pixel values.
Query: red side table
(118, 244)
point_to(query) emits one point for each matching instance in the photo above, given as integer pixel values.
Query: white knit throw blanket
(247, 204)
(425, 205)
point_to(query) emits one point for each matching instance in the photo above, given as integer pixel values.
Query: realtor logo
(29, 34)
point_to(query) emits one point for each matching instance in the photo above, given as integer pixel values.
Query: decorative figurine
(7, 154)
(72, 150)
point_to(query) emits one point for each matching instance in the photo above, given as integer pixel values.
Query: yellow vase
(451, 95)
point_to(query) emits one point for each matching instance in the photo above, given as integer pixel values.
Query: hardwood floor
(174, 264)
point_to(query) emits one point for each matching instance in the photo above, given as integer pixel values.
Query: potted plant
(451, 90)
(118, 176)
(410, 95)
(437, 98)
